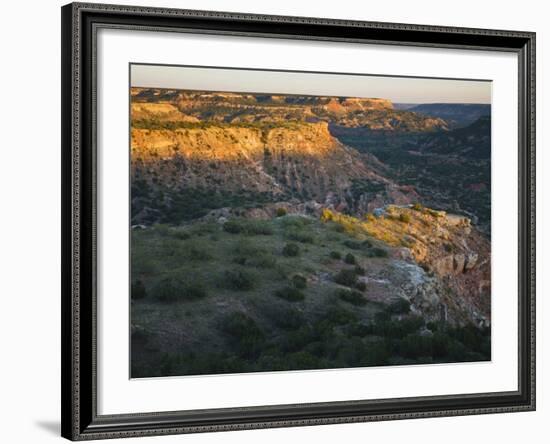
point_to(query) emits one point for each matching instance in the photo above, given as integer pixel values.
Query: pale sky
(396, 89)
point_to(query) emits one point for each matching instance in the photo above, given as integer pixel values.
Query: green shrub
(240, 260)
(412, 324)
(168, 290)
(299, 281)
(169, 364)
(381, 317)
(211, 362)
(280, 212)
(239, 280)
(414, 346)
(404, 217)
(434, 326)
(140, 335)
(193, 291)
(354, 245)
(302, 360)
(295, 221)
(233, 227)
(339, 316)
(143, 263)
(298, 339)
(262, 261)
(291, 250)
(335, 255)
(299, 236)
(138, 290)
(417, 207)
(376, 353)
(245, 335)
(377, 252)
(359, 329)
(458, 352)
(162, 229)
(285, 317)
(269, 362)
(475, 339)
(258, 227)
(389, 328)
(349, 259)
(244, 247)
(248, 227)
(205, 228)
(182, 235)
(349, 352)
(197, 253)
(346, 277)
(353, 297)
(251, 254)
(441, 345)
(240, 324)
(290, 294)
(173, 290)
(361, 286)
(323, 328)
(402, 306)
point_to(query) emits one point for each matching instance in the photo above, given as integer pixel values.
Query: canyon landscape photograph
(277, 231)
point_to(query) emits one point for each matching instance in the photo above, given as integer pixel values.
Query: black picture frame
(80, 420)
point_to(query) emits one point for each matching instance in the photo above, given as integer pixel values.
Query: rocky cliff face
(444, 261)
(226, 142)
(292, 160)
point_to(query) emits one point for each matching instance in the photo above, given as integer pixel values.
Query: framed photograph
(280, 221)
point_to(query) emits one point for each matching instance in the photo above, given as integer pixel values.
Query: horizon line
(397, 88)
(254, 93)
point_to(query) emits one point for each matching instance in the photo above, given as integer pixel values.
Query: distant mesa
(234, 108)
(456, 114)
(341, 151)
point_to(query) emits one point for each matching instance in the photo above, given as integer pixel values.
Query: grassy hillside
(291, 292)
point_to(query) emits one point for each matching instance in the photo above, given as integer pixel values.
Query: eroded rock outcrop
(281, 162)
(447, 260)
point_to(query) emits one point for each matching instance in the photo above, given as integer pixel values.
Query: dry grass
(416, 228)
